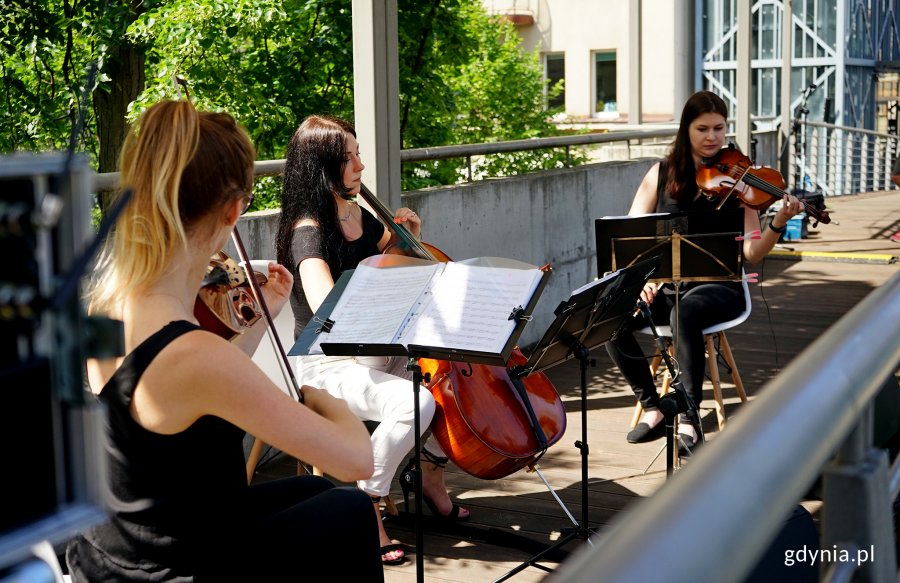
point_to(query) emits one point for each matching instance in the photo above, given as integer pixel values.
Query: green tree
(267, 62)
(270, 63)
(492, 92)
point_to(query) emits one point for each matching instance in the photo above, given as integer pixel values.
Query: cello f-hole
(468, 371)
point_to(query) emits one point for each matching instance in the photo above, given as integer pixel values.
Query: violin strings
(757, 182)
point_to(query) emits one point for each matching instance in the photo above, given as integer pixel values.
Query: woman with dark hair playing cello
(180, 401)
(671, 186)
(321, 233)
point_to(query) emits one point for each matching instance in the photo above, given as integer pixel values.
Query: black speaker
(789, 558)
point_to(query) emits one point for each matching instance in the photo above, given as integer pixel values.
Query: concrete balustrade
(539, 218)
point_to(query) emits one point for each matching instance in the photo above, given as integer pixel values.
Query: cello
(488, 422)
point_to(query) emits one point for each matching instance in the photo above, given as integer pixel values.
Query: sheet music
(597, 281)
(375, 300)
(637, 216)
(469, 308)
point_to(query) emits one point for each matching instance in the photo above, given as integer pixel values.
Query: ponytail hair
(181, 165)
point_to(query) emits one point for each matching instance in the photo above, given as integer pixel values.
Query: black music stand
(694, 246)
(322, 322)
(591, 317)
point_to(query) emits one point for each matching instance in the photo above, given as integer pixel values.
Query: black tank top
(341, 255)
(167, 492)
(666, 203)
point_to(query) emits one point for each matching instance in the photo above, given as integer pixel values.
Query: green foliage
(270, 63)
(267, 62)
(42, 72)
(488, 90)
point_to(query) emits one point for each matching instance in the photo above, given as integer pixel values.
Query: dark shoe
(390, 549)
(643, 432)
(408, 485)
(687, 445)
(408, 481)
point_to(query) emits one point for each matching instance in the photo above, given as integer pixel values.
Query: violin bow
(287, 371)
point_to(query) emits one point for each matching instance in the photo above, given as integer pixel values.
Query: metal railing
(632, 143)
(731, 501)
(836, 159)
(841, 160)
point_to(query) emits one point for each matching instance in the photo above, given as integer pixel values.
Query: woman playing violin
(182, 398)
(321, 233)
(671, 186)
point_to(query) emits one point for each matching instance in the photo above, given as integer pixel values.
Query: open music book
(470, 310)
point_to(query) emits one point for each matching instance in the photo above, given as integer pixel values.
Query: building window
(605, 76)
(555, 73)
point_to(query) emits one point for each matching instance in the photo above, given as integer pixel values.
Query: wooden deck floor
(796, 301)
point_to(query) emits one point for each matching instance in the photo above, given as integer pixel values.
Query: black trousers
(701, 306)
(297, 527)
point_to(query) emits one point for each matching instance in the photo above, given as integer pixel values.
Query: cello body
(482, 421)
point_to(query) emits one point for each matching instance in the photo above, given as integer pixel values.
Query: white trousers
(376, 389)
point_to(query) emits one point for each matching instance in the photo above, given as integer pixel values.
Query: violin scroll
(225, 304)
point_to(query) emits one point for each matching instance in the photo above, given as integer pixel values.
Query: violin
(731, 172)
(225, 304)
(489, 423)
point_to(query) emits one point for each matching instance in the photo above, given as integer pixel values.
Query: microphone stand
(801, 112)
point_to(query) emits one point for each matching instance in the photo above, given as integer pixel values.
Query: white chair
(709, 333)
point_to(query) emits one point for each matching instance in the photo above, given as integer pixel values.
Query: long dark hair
(313, 174)
(680, 171)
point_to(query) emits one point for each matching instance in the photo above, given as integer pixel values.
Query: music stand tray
(592, 315)
(500, 324)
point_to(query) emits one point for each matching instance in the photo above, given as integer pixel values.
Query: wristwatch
(778, 230)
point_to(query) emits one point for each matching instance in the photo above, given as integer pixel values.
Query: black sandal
(408, 481)
(391, 547)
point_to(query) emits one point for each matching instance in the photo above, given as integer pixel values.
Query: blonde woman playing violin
(182, 398)
(671, 186)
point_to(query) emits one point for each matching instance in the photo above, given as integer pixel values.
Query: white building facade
(609, 51)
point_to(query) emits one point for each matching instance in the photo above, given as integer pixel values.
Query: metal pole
(743, 104)
(635, 56)
(787, 49)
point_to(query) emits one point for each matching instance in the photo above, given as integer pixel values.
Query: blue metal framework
(838, 45)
